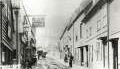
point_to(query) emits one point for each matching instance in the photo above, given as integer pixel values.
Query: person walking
(70, 60)
(66, 58)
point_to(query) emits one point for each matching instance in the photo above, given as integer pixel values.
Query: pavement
(49, 63)
(75, 66)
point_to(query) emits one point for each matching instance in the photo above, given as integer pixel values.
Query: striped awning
(8, 44)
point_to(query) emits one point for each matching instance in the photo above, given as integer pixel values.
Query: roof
(77, 14)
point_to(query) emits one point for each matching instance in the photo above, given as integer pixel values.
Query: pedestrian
(70, 60)
(70, 57)
(66, 58)
(38, 56)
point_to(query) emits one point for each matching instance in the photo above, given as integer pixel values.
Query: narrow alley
(59, 34)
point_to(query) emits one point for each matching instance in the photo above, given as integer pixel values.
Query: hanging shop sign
(38, 21)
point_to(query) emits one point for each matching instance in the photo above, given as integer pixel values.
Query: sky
(57, 14)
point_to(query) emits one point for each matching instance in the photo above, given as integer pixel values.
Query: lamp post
(17, 48)
(15, 8)
(16, 12)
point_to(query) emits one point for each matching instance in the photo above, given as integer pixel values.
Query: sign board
(38, 21)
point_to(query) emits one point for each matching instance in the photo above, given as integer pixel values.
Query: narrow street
(49, 63)
(59, 34)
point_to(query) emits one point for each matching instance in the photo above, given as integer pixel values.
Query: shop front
(6, 55)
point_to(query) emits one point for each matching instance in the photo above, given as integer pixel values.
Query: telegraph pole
(16, 14)
(17, 46)
(16, 11)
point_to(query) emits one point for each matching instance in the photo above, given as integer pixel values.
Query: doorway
(114, 43)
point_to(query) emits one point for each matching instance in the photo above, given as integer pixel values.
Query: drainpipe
(17, 48)
(73, 43)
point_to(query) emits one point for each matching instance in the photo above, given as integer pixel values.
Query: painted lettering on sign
(38, 22)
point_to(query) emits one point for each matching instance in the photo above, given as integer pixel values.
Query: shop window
(90, 53)
(80, 30)
(98, 25)
(87, 33)
(90, 32)
(98, 50)
(104, 21)
(82, 25)
(76, 38)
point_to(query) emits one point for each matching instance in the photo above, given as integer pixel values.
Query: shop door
(115, 52)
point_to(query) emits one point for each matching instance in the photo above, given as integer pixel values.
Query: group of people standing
(68, 57)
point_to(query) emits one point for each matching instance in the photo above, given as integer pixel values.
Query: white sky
(57, 13)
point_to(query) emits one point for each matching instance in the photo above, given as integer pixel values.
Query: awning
(8, 44)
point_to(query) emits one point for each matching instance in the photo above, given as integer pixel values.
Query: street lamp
(15, 7)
